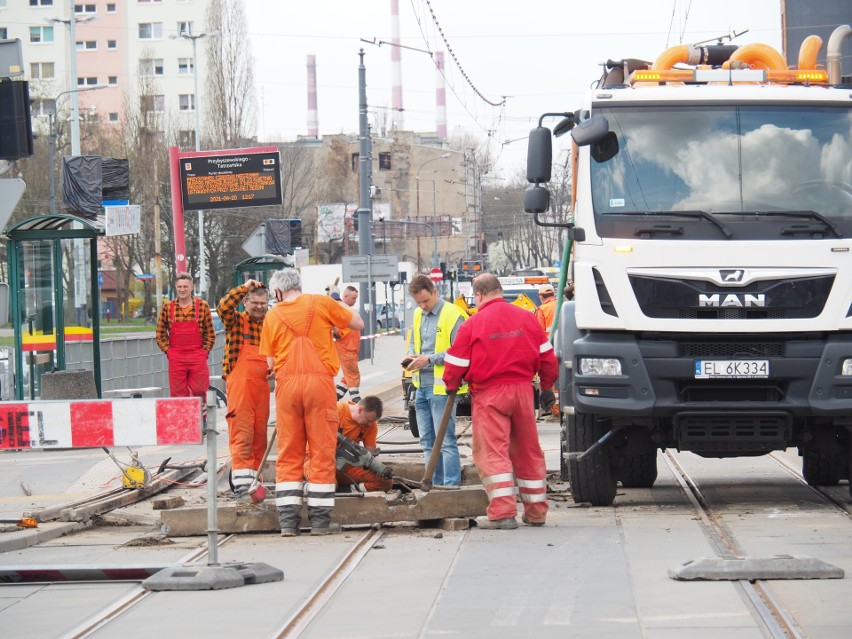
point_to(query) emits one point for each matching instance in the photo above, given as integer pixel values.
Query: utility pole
(364, 212)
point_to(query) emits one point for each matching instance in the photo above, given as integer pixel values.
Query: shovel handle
(426, 483)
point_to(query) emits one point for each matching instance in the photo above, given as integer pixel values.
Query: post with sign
(367, 269)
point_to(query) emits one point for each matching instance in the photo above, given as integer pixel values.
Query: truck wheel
(412, 422)
(821, 468)
(591, 479)
(639, 471)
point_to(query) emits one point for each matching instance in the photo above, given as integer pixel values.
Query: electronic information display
(230, 181)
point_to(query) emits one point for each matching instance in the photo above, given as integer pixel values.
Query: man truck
(712, 231)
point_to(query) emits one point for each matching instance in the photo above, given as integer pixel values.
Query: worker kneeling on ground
(357, 465)
(498, 351)
(245, 373)
(296, 339)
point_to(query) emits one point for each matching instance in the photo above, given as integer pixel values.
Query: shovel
(257, 491)
(426, 482)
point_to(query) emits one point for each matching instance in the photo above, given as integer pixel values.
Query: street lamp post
(202, 263)
(52, 133)
(443, 156)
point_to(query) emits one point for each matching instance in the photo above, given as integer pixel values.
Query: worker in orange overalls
(185, 334)
(296, 340)
(360, 423)
(246, 384)
(348, 345)
(547, 310)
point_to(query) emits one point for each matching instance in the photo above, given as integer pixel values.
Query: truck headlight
(600, 366)
(846, 367)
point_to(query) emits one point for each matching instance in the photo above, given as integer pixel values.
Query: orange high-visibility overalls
(248, 413)
(306, 416)
(348, 347)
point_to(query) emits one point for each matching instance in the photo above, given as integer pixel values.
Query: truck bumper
(658, 376)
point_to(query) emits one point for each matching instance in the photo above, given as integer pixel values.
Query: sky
(526, 57)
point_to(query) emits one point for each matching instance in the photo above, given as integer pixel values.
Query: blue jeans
(430, 408)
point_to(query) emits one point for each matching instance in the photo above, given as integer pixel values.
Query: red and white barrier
(95, 423)
(395, 331)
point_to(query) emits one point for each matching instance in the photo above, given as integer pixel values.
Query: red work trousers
(248, 409)
(506, 449)
(347, 352)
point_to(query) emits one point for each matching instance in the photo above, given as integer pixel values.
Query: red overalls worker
(498, 351)
(296, 340)
(185, 334)
(348, 345)
(246, 384)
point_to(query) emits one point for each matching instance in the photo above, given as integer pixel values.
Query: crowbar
(426, 482)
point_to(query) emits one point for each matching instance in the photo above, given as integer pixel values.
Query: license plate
(731, 368)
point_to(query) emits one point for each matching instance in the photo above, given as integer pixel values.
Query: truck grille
(724, 433)
(731, 350)
(669, 298)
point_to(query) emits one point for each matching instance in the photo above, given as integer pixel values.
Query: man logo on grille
(732, 275)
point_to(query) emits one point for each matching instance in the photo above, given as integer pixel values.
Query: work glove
(547, 399)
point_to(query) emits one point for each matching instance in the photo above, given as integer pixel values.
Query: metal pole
(434, 225)
(364, 212)
(202, 262)
(75, 102)
(51, 139)
(417, 182)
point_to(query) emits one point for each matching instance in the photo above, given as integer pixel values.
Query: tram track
(774, 619)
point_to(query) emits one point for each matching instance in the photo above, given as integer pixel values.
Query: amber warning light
(230, 181)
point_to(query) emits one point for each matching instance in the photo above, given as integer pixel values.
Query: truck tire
(639, 471)
(821, 468)
(591, 479)
(412, 422)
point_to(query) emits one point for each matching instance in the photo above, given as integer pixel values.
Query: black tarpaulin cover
(282, 236)
(88, 180)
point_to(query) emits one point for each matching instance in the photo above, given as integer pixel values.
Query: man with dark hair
(296, 340)
(245, 374)
(498, 351)
(186, 335)
(348, 345)
(434, 329)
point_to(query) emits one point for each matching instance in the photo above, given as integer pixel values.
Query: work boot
(289, 517)
(331, 529)
(320, 517)
(290, 532)
(531, 523)
(508, 523)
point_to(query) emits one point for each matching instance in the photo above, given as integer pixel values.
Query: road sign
(363, 268)
(100, 279)
(11, 190)
(144, 276)
(436, 275)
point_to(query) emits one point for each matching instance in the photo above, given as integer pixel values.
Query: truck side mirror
(590, 131)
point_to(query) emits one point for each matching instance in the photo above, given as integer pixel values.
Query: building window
(41, 70)
(41, 3)
(85, 8)
(88, 81)
(113, 80)
(111, 7)
(113, 117)
(152, 103)
(87, 45)
(43, 108)
(112, 44)
(184, 27)
(41, 34)
(186, 102)
(150, 30)
(355, 157)
(185, 66)
(186, 139)
(384, 161)
(4, 33)
(151, 66)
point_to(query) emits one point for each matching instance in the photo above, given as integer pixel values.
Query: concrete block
(752, 568)
(78, 384)
(168, 502)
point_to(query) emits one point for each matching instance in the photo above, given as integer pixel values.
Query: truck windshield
(733, 161)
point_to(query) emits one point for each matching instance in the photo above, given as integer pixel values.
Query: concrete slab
(375, 508)
(752, 568)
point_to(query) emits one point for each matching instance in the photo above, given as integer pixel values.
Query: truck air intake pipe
(833, 53)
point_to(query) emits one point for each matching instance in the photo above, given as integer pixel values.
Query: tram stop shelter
(258, 268)
(53, 297)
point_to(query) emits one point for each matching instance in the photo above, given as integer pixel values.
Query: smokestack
(396, 67)
(313, 127)
(440, 97)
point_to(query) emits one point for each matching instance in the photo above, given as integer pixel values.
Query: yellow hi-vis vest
(450, 314)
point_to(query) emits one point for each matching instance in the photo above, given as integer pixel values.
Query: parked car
(390, 316)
